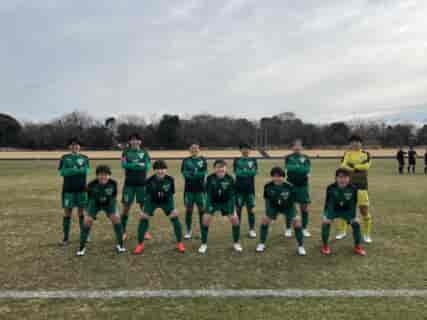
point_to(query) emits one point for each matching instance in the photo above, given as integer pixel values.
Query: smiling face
(135, 143)
(245, 152)
(220, 170)
(161, 173)
(278, 179)
(75, 147)
(342, 180)
(194, 150)
(103, 177)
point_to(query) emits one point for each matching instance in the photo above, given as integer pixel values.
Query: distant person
(74, 168)
(400, 157)
(425, 162)
(412, 160)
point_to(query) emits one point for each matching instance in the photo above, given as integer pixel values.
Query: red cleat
(326, 250)
(180, 246)
(359, 251)
(148, 236)
(139, 249)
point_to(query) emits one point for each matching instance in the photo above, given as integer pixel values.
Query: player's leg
(299, 235)
(357, 236)
(326, 230)
(140, 198)
(172, 213)
(250, 207)
(81, 203)
(67, 205)
(84, 232)
(363, 203)
(201, 204)
(235, 230)
(118, 228)
(205, 230)
(128, 198)
(288, 227)
(265, 224)
(144, 222)
(239, 205)
(341, 229)
(305, 215)
(189, 206)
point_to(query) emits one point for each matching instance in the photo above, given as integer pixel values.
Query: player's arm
(365, 165)
(346, 163)
(209, 192)
(173, 187)
(187, 174)
(252, 172)
(129, 165)
(85, 168)
(204, 170)
(67, 172)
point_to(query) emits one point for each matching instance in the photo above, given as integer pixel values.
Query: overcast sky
(324, 60)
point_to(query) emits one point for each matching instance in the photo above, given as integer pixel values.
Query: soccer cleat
(125, 236)
(139, 249)
(301, 251)
(120, 249)
(64, 243)
(252, 234)
(188, 235)
(306, 233)
(359, 251)
(180, 247)
(148, 236)
(288, 233)
(260, 247)
(367, 238)
(326, 250)
(81, 252)
(203, 249)
(341, 235)
(237, 247)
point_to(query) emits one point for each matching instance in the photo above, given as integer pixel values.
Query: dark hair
(220, 162)
(102, 168)
(277, 171)
(160, 164)
(195, 143)
(73, 140)
(355, 138)
(244, 146)
(297, 141)
(342, 172)
(134, 135)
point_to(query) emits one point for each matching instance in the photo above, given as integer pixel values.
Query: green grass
(30, 229)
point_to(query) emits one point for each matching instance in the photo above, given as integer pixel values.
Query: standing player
(358, 162)
(220, 197)
(412, 160)
(102, 197)
(400, 157)
(74, 167)
(245, 169)
(298, 167)
(160, 190)
(136, 162)
(341, 202)
(194, 170)
(280, 198)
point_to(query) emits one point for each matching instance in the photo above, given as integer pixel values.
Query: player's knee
(115, 218)
(206, 220)
(355, 223)
(297, 223)
(305, 207)
(88, 221)
(173, 214)
(364, 210)
(326, 221)
(234, 220)
(266, 220)
(144, 216)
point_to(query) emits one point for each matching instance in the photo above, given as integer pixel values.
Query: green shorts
(194, 198)
(289, 213)
(151, 207)
(72, 200)
(93, 209)
(130, 193)
(245, 200)
(302, 194)
(226, 209)
(348, 216)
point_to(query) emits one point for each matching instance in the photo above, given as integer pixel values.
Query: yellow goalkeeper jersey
(358, 162)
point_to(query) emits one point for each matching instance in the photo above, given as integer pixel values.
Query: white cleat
(81, 252)
(288, 233)
(260, 247)
(367, 239)
(340, 235)
(203, 249)
(301, 251)
(188, 235)
(252, 234)
(237, 247)
(306, 233)
(120, 249)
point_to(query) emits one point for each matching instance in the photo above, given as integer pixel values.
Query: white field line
(291, 293)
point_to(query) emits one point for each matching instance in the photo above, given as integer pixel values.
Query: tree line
(174, 132)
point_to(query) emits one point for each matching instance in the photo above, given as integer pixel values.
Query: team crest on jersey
(348, 196)
(166, 187)
(284, 195)
(224, 184)
(109, 191)
(250, 164)
(302, 159)
(80, 162)
(200, 163)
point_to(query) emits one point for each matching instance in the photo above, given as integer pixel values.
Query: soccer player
(74, 167)
(220, 197)
(136, 162)
(341, 202)
(412, 160)
(358, 162)
(160, 190)
(280, 198)
(194, 169)
(102, 197)
(298, 168)
(400, 157)
(245, 169)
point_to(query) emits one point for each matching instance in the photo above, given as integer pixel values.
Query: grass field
(30, 228)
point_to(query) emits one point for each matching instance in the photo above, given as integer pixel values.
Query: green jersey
(136, 163)
(102, 195)
(194, 170)
(74, 167)
(220, 190)
(298, 167)
(245, 169)
(279, 196)
(160, 190)
(341, 199)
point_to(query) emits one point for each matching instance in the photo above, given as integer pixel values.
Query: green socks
(177, 228)
(264, 232)
(356, 233)
(326, 229)
(66, 224)
(118, 230)
(201, 214)
(299, 236)
(304, 219)
(236, 233)
(251, 219)
(81, 221)
(189, 219)
(239, 214)
(205, 231)
(84, 234)
(124, 220)
(288, 223)
(142, 229)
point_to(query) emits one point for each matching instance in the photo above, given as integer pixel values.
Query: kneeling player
(102, 197)
(341, 202)
(160, 190)
(220, 197)
(280, 198)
